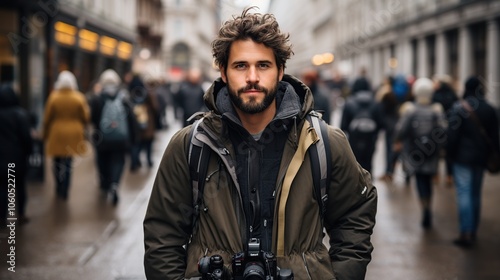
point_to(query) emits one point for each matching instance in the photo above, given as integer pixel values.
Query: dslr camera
(253, 264)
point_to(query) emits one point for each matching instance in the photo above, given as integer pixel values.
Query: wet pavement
(87, 238)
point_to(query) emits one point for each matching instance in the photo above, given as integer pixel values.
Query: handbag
(493, 157)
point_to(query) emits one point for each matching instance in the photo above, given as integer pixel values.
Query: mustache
(252, 86)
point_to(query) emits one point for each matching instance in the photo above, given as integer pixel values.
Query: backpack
(423, 123)
(141, 114)
(113, 124)
(319, 153)
(362, 129)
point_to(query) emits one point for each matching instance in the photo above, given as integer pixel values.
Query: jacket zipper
(225, 156)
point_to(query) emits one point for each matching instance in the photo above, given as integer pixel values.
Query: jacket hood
(8, 97)
(292, 96)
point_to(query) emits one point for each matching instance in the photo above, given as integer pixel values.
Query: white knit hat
(423, 88)
(109, 78)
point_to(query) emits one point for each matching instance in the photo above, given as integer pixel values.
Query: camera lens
(254, 271)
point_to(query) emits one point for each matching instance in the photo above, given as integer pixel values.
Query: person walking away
(446, 96)
(65, 118)
(15, 147)
(115, 130)
(254, 193)
(421, 131)
(469, 149)
(190, 95)
(362, 121)
(138, 93)
(311, 78)
(145, 109)
(389, 105)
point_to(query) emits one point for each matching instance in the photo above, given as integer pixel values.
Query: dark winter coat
(96, 108)
(15, 136)
(190, 98)
(363, 101)
(222, 228)
(421, 149)
(466, 145)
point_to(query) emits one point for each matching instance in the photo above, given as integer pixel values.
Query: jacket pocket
(309, 265)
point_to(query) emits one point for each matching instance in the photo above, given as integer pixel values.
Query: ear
(223, 74)
(281, 72)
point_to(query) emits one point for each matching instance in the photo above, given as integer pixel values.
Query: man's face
(251, 76)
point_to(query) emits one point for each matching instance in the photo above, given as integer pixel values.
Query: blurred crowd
(118, 118)
(424, 120)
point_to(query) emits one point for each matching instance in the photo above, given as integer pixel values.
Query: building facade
(419, 38)
(151, 30)
(40, 38)
(190, 26)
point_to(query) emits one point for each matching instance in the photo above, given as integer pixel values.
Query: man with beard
(255, 124)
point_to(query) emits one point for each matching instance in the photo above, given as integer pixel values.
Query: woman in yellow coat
(65, 119)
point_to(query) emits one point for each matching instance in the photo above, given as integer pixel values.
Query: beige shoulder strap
(307, 138)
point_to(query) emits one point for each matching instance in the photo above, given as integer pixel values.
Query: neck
(255, 123)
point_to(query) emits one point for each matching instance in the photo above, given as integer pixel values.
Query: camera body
(252, 264)
(257, 264)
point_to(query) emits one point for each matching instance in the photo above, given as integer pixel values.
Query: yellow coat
(65, 118)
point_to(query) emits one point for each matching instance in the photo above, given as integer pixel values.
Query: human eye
(264, 65)
(240, 66)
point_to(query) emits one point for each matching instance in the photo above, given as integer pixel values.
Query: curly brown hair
(260, 29)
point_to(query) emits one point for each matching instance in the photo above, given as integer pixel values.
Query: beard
(252, 106)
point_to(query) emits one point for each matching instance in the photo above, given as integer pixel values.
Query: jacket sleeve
(350, 215)
(167, 224)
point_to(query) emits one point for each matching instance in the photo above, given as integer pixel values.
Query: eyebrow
(246, 62)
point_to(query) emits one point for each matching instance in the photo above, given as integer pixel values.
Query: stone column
(492, 63)
(464, 56)
(441, 55)
(404, 55)
(423, 63)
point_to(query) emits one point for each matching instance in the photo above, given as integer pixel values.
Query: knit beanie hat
(423, 88)
(109, 78)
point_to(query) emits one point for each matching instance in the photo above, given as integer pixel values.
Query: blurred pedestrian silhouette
(115, 131)
(420, 135)
(339, 90)
(389, 110)
(311, 79)
(15, 147)
(446, 96)
(190, 95)
(65, 118)
(145, 109)
(361, 121)
(468, 150)
(361, 83)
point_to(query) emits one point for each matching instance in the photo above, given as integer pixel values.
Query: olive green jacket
(173, 248)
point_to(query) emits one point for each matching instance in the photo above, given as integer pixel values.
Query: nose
(252, 75)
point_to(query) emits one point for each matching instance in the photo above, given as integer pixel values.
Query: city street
(86, 237)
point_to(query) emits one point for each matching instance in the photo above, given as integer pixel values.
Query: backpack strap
(198, 158)
(320, 160)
